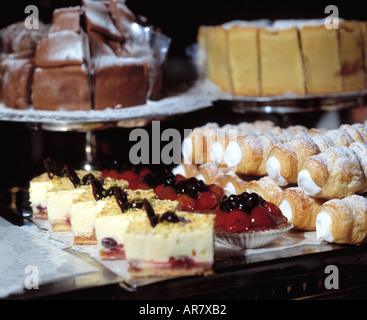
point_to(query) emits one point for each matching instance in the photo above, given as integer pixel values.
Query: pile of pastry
(318, 177)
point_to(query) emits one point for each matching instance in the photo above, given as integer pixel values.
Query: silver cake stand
(89, 122)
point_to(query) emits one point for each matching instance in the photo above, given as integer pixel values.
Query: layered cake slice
(40, 185)
(217, 57)
(320, 48)
(59, 199)
(86, 207)
(112, 221)
(281, 62)
(170, 244)
(351, 54)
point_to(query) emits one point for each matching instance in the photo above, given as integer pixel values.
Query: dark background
(22, 149)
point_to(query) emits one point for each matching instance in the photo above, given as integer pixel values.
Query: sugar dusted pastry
(210, 173)
(299, 208)
(335, 173)
(248, 153)
(187, 170)
(340, 137)
(355, 132)
(285, 159)
(194, 149)
(343, 220)
(267, 189)
(233, 184)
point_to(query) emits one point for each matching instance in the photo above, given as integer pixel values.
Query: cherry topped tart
(192, 194)
(247, 212)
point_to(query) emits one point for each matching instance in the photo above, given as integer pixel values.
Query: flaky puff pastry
(300, 209)
(335, 173)
(194, 146)
(267, 189)
(343, 220)
(248, 153)
(357, 133)
(285, 159)
(233, 184)
(186, 170)
(211, 173)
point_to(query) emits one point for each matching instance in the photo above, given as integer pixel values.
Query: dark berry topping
(150, 212)
(244, 201)
(191, 186)
(109, 243)
(169, 217)
(53, 168)
(160, 177)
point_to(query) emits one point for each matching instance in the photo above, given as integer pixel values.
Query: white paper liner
(251, 240)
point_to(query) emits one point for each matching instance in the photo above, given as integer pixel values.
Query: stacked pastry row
(304, 171)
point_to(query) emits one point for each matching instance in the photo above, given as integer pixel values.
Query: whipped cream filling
(229, 189)
(232, 154)
(200, 177)
(273, 170)
(305, 181)
(286, 209)
(180, 169)
(216, 153)
(323, 227)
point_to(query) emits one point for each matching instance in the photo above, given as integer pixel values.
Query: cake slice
(217, 57)
(281, 62)
(351, 54)
(363, 25)
(243, 48)
(59, 200)
(85, 208)
(320, 48)
(40, 185)
(170, 245)
(111, 223)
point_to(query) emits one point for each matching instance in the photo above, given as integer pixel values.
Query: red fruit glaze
(260, 217)
(187, 203)
(237, 221)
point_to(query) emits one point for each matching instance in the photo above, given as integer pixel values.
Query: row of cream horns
(334, 160)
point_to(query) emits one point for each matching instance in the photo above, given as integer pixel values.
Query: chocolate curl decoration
(98, 190)
(121, 198)
(72, 175)
(52, 168)
(150, 212)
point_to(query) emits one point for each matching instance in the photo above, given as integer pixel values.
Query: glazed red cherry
(237, 221)
(261, 218)
(272, 208)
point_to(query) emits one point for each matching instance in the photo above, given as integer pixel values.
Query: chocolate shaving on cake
(52, 168)
(87, 179)
(98, 190)
(72, 175)
(121, 198)
(150, 212)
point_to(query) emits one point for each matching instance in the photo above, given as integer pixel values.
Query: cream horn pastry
(217, 147)
(194, 145)
(334, 173)
(361, 151)
(354, 132)
(340, 137)
(267, 189)
(233, 184)
(210, 173)
(248, 153)
(300, 209)
(343, 221)
(285, 159)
